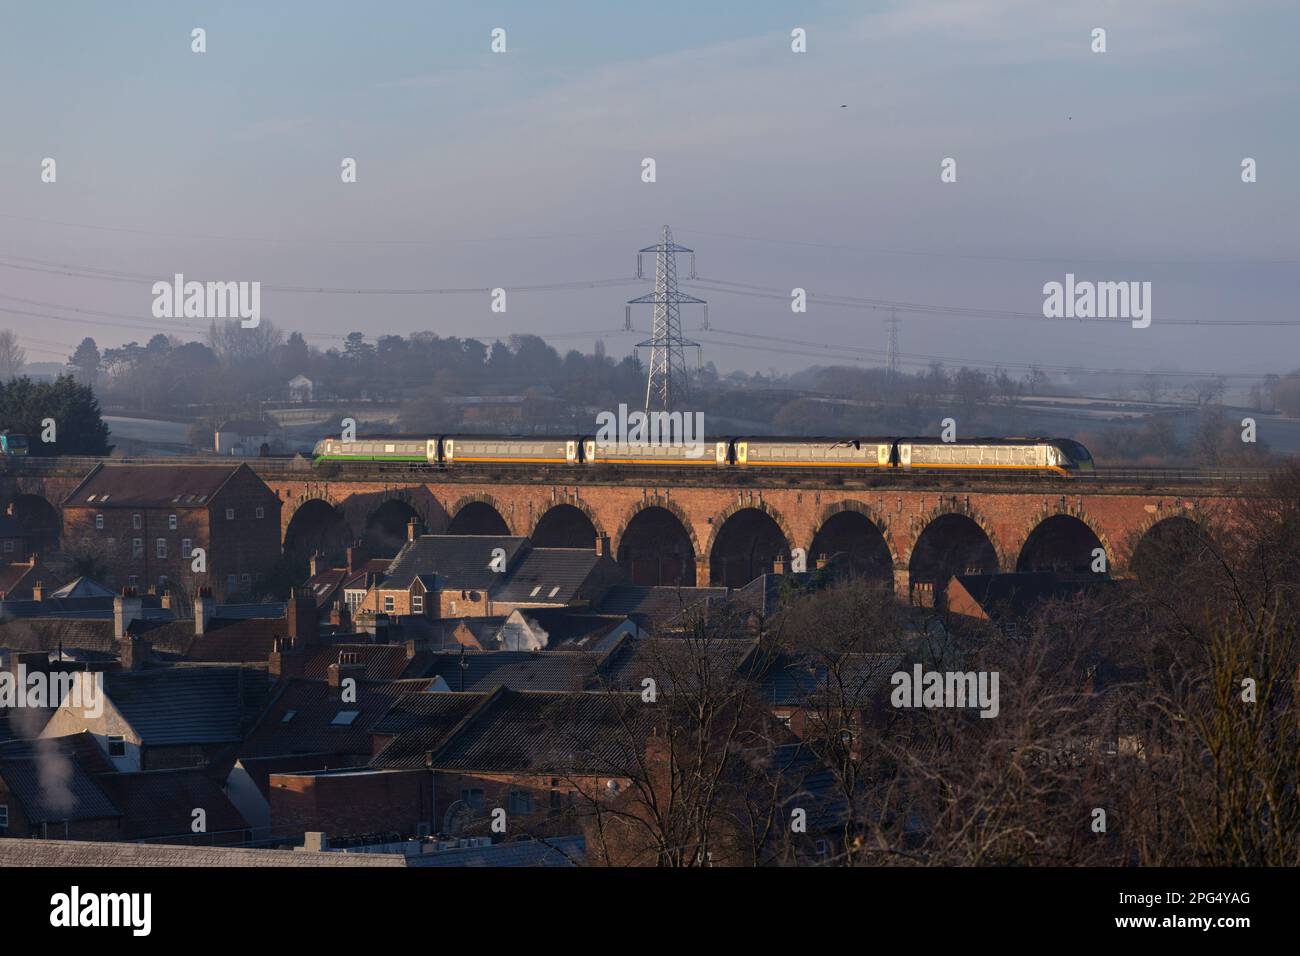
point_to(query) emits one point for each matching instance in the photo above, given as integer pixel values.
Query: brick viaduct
(724, 529)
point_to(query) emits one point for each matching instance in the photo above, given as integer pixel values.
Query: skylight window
(554, 591)
(288, 716)
(91, 498)
(535, 590)
(345, 718)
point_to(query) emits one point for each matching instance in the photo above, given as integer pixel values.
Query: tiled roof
(314, 724)
(81, 853)
(377, 661)
(150, 486)
(572, 630)
(546, 576)
(654, 603)
(61, 791)
(161, 803)
(554, 851)
(188, 704)
(420, 723)
(518, 670)
(463, 561)
(16, 577)
(516, 732)
(672, 663)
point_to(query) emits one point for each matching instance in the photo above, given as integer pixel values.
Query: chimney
(314, 565)
(354, 555)
(411, 529)
(38, 591)
(126, 608)
(166, 601)
(602, 546)
(315, 841)
(778, 564)
(286, 660)
(302, 619)
(348, 665)
(134, 653)
(340, 616)
(822, 561)
(204, 607)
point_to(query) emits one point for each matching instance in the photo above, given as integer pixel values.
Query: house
(17, 542)
(147, 521)
(300, 389)
(442, 576)
(19, 580)
(48, 789)
(167, 717)
(244, 438)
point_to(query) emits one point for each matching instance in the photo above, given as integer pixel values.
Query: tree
(71, 408)
(12, 356)
(85, 360)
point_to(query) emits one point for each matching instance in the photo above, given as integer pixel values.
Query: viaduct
(722, 529)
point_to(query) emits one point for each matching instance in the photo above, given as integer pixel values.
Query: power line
(667, 381)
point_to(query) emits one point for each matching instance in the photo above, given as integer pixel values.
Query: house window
(821, 847)
(417, 603)
(244, 581)
(230, 514)
(187, 547)
(132, 581)
(388, 602)
(161, 548)
(288, 716)
(345, 718)
(232, 583)
(473, 796)
(261, 512)
(162, 582)
(9, 545)
(171, 522)
(136, 522)
(99, 522)
(557, 800)
(4, 816)
(137, 547)
(521, 801)
(116, 746)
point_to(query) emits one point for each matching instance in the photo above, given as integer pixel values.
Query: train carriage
(643, 453)
(993, 454)
(525, 450)
(377, 448)
(799, 453)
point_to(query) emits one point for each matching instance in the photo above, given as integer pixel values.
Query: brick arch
(301, 501)
(720, 519)
(948, 505)
(507, 514)
(1075, 510)
(872, 514)
(419, 498)
(572, 503)
(667, 505)
(1195, 514)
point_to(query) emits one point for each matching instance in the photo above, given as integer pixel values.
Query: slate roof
(188, 704)
(18, 577)
(857, 679)
(378, 661)
(77, 796)
(518, 670)
(462, 561)
(554, 851)
(654, 603)
(83, 587)
(565, 628)
(534, 732)
(673, 663)
(161, 803)
(420, 723)
(546, 576)
(315, 706)
(150, 486)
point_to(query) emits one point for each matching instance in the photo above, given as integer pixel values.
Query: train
(12, 443)
(1062, 457)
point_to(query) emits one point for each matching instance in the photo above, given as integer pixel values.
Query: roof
(304, 718)
(377, 661)
(1015, 595)
(421, 723)
(672, 663)
(47, 779)
(523, 732)
(654, 603)
(480, 671)
(12, 578)
(462, 561)
(187, 704)
(161, 803)
(82, 587)
(244, 426)
(546, 576)
(553, 851)
(856, 679)
(81, 853)
(150, 486)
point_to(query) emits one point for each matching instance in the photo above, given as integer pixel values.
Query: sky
(816, 170)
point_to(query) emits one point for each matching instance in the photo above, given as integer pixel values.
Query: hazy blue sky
(818, 170)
